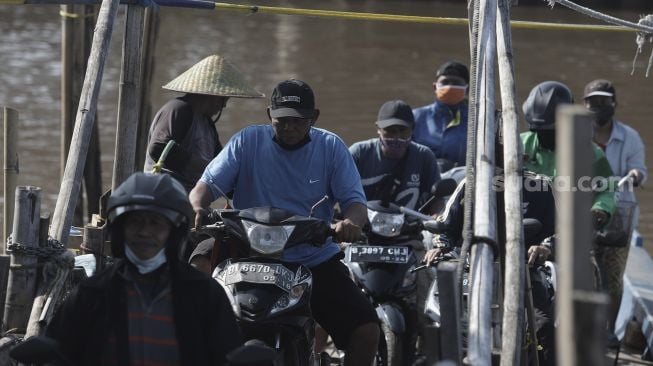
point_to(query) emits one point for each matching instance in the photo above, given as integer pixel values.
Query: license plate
(378, 254)
(272, 274)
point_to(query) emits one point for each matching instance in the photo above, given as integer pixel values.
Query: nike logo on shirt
(311, 181)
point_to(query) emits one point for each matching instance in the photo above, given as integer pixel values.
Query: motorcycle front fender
(391, 315)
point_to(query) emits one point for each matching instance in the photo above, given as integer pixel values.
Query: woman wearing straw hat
(189, 120)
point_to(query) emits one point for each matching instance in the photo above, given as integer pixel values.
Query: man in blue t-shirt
(392, 167)
(442, 126)
(291, 165)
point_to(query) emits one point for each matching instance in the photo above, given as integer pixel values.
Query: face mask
(547, 139)
(394, 148)
(450, 94)
(603, 114)
(147, 265)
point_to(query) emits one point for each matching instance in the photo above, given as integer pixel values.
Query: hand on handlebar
(599, 218)
(347, 231)
(432, 255)
(538, 253)
(200, 214)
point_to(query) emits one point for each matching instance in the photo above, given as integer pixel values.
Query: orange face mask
(450, 94)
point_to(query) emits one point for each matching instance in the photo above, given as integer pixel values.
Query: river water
(353, 66)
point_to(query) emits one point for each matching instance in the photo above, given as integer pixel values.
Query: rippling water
(353, 66)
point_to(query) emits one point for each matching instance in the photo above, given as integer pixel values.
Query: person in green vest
(539, 146)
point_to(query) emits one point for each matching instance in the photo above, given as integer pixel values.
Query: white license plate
(377, 254)
(264, 273)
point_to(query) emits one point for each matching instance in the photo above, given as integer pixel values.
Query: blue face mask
(394, 148)
(147, 265)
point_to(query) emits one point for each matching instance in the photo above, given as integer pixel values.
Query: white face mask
(147, 265)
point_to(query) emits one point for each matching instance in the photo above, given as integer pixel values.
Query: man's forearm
(201, 196)
(357, 214)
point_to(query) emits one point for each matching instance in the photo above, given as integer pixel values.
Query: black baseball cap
(599, 87)
(292, 98)
(395, 113)
(453, 68)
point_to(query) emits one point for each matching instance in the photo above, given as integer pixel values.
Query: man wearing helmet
(539, 144)
(149, 307)
(292, 165)
(189, 120)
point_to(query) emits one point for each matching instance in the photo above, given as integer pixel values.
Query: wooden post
(514, 273)
(93, 167)
(67, 81)
(94, 241)
(34, 325)
(22, 276)
(573, 151)
(485, 205)
(145, 116)
(11, 129)
(449, 295)
(84, 121)
(130, 95)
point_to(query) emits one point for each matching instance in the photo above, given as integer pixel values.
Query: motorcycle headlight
(267, 239)
(385, 224)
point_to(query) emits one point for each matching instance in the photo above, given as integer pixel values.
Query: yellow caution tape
(410, 18)
(65, 14)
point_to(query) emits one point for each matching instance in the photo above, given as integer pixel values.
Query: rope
(202, 4)
(407, 18)
(600, 16)
(644, 27)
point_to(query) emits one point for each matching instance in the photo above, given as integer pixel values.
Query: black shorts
(338, 305)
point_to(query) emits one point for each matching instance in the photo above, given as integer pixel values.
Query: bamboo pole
(485, 205)
(129, 96)
(150, 38)
(573, 151)
(22, 276)
(83, 123)
(514, 274)
(11, 129)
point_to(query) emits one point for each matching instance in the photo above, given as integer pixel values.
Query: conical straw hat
(214, 76)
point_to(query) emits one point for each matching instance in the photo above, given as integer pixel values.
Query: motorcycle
(381, 267)
(270, 297)
(41, 350)
(545, 272)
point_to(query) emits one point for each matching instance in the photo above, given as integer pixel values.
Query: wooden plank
(573, 224)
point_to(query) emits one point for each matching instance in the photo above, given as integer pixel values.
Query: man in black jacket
(149, 307)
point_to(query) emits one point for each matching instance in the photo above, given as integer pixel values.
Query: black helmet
(159, 193)
(540, 106)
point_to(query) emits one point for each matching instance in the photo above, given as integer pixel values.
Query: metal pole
(11, 129)
(22, 276)
(513, 303)
(485, 205)
(84, 121)
(130, 95)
